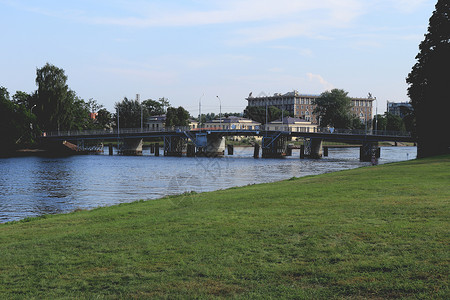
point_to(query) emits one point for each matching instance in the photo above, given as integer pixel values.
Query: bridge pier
(131, 147)
(230, 149)
(274, 146)
(190, 151)
(173, 146)
(369, 150)
(311, 148)
(215, 145)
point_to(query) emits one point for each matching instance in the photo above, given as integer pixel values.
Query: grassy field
(375, 232)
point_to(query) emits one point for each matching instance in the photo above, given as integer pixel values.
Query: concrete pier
(369, 151)
(215, 145)
(131, 147)
(256, 151)
(230, 149)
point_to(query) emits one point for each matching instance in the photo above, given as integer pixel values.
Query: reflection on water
(33, 186)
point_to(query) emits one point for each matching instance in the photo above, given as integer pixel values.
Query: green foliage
(177, 117)
(52, 98)
(333, 108)
(389, 122)
(154, 108)
(428, 84)
(369, 233)
(104, 118)
(15, 124)
(258, 113)
(58, 107)
(130, 113)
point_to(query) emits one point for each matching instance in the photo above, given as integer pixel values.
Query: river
(33, 186)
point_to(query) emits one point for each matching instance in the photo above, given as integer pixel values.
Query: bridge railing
(114, 131)
(336, 131)
(292, 129)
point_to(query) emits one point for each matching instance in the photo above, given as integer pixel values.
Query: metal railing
(259, 129)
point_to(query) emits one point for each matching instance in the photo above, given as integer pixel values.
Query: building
(157, 123)
(292, 124)
(233, 123)
(302, 105)
(399, 108)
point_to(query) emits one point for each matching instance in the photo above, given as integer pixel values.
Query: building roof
(158, 118)
(289, 120)
(233, 119)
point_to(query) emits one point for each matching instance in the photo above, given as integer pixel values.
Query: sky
(192, 51)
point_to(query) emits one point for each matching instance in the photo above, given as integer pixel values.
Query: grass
(376, 232)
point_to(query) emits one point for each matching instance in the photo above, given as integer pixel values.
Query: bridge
(211, 141)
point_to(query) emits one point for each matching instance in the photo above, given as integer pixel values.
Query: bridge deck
(320, 133)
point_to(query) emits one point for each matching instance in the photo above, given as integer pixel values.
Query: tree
(104, 118)
(130, 113)
(153, 107)
(51, 103)
(177, 117)
(428, 84)
(258, 113)
(394, 122)
(15, 121)
(22, 98)
(333, 109)
(164, 103)
(94, 106)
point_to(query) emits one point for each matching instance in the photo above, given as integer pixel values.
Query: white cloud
(319, 79)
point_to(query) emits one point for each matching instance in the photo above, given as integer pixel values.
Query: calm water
(33, 186)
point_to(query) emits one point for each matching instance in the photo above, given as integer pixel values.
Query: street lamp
(31, 112)
(220, 111)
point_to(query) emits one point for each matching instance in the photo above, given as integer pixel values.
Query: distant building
(292, 124)
(157, 123)
(399, 108)
(302, 105)
(232, 122)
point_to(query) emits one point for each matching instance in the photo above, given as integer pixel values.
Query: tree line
(55, 107)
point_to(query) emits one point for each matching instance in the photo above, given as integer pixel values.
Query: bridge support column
(110, 148)
(316, 148)
(173, 146)
(256, 151)
(215, 145)
(190, 151)
(369, 150)
(274, 146)
(156, 147)
(311, 148)
(325, 151)
(131, 147)
(230, 149)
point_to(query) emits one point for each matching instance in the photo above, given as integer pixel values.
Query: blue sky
(197, 49)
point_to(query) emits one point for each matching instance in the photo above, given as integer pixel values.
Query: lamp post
(31, 112)
(376, 115)
(220, 111)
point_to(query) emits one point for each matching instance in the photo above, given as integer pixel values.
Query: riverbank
(374, 232)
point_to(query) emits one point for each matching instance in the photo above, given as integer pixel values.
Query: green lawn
(375, 232)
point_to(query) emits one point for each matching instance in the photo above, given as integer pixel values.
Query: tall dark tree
(153, 107)
(428, 85)
(15, 124)
(130, 113)
(52, 102)
(333, 108)
(259, 113)
(104, 118)
(177, 117)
